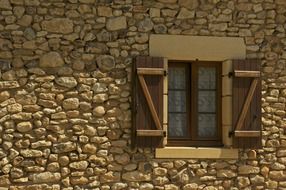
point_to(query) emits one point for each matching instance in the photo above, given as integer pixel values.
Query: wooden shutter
(246, 106)
(148, 83)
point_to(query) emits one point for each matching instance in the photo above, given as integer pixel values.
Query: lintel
(205, 48)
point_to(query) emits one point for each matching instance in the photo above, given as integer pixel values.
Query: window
(235, 113)
(201, 111)
(194, 103)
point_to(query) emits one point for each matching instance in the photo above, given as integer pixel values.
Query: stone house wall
(65, 117)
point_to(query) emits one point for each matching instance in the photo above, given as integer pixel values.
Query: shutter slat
(150, 71)
(246, 104)
(247, 133)
(150, 133)
(238, 73)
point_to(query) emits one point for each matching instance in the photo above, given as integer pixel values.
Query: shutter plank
(247, 133)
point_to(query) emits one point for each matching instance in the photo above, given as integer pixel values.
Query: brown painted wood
(252, 121)
(246, 105)
(143, 117)
(150, 133)
(150, 102)
(150, 71)
(239, 73)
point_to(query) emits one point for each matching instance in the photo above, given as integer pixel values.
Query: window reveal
(194, 93)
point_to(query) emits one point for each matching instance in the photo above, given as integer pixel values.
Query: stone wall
(65, 117)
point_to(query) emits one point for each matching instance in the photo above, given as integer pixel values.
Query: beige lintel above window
(191, 152)
(205, 48)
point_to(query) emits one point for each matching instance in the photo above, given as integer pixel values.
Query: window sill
(192, 152)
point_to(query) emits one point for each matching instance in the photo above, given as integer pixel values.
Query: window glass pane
(177, 125)
(177, 101)
(207, 77)
(177, 77)
(207, 101)
(207, 125)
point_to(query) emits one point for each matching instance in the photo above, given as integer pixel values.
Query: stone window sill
(192, 152)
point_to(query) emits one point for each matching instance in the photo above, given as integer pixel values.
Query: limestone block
(5, 4)
(69, 82)
(116, 23)
(51, 59)
(58, 25)
(45, 177)
(24, 127)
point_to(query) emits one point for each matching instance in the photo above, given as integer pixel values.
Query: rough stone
(14, 108)
(24, 127)
(81, 165)
(116, 23)
(89, 148)
(4, 95)
(79, 180)
(100, 98)
(64, 160)
(136, 176)
(122, 159)
(9, 84)
(5, 4)
(42, 143)
(145, 25)
(4, 181)
(226, 174)
(69, 82)
(26, 20)
(277, 175)
(29, 33)
(185, 14)
(45, 177)
(9, 75)
(104, 11)
(32, 2)
(58, 25)
(31, 153)
(246, 169)
(16, 173)
(110, 177)
(189, 4)
(71, 103)
(64, 147)
(105, 62)
(51, 59)
(99, 111)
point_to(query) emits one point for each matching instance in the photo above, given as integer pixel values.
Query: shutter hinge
(231, 133)
(165, 72)
(165, 134)
(230, 74)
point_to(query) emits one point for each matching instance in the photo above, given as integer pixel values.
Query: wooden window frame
(192, 113)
